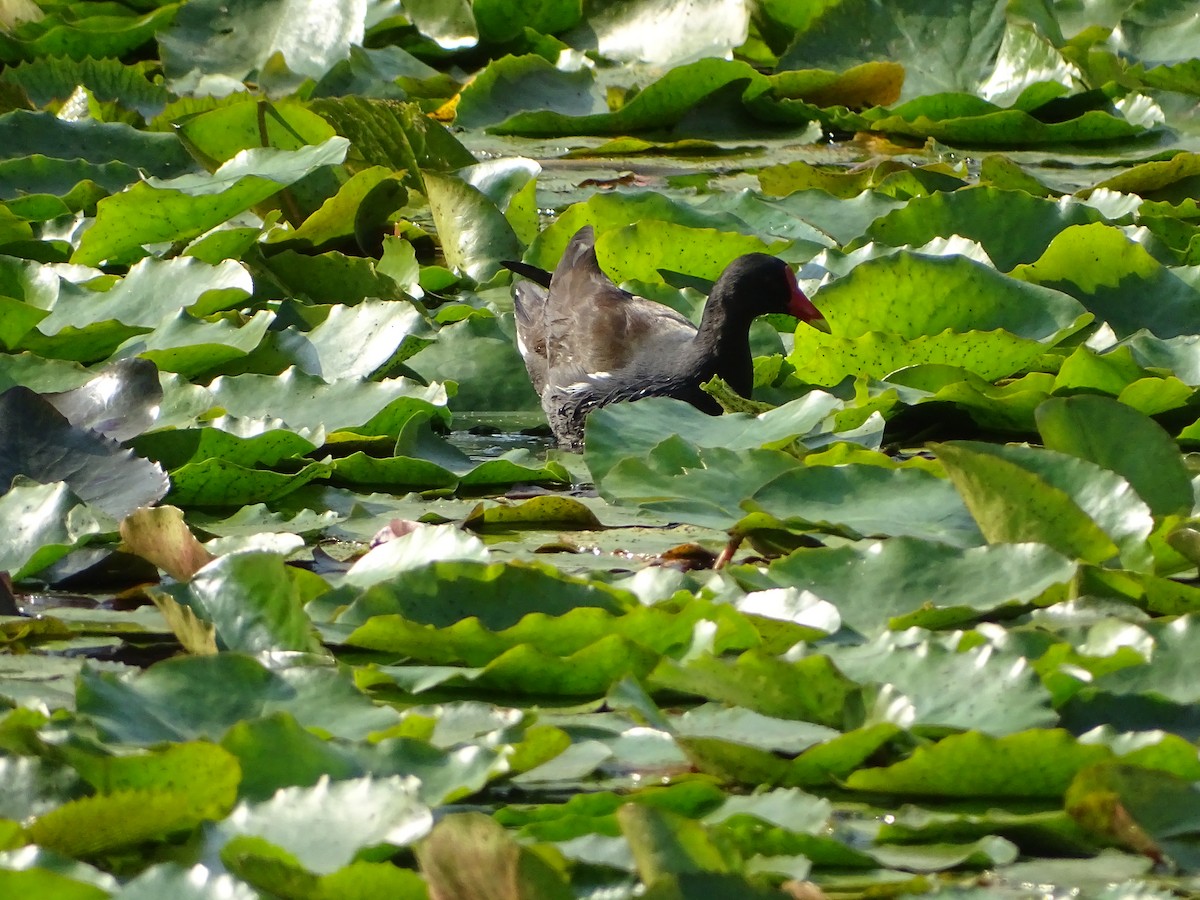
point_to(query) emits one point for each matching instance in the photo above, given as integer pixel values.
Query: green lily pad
(48, 79)
(1030, 764)
(120, 401)
(397, 136)
(221, 483)
(203, 696)
(190, 347)
(950, 47)
(639, 251)
(1102, 269)
(75, 183)
(942, 687)
(45, 446)
(1182, 76)
(809, 689)
(368, 812)
(306, 402)
(514, 84)
(502, 20)
(175, 448)
(152, 293)
(605, 212)
(38, 882)
(884, 502)
(427, 595)
(475, 235)
(824, 359)
(629, 431)
(1150, 179)
(336, 219)
(1162, 675)
(902, 576)
(1108, 373)
(963, 119)
(254, 602)
(220, 134)
(99, 33)
(656, 107)
(480, 353)
(356, 341)
(913, 294)
(332, 277)
(183, 208)
(105, 823)
(468, 642)
(1105, 432)
(26, 134)
(46, 522)
(239, 38)
(1012, 226)
(1023, 493)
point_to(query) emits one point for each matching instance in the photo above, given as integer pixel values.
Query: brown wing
(592, 327)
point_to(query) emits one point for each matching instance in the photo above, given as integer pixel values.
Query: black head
(757, 284)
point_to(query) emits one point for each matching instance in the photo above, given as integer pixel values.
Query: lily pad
(656, 107)
(948, 47)
(1104, 431)
(120, 402)
(973, 764)
(184, 208)
(1023, 494)
(912, 294)
(223, 689)
(1104, 270)
(1011, 225)
(239, 38)
(40, 443)
(901, 577)
(370, 812)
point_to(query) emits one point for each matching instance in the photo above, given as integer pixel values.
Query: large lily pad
(224, 689)
(237, 39)
(913, 294)
(972, 764)
(904, 578)
(1105, 271)
(40, 443)
(656, 107)
(950, 45)
(120, 402)
(1011, 225)
(1023, 493)
(184, 208)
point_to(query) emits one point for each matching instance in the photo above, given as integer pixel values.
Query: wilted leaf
(470, 857)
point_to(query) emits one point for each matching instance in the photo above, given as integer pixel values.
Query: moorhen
(587, 343)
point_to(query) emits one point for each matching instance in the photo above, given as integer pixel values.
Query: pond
(303, 600)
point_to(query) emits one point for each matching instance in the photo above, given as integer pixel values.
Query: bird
(587, 343)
